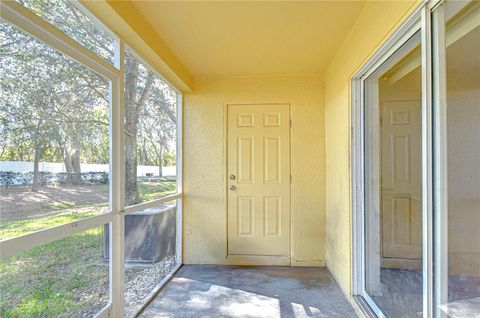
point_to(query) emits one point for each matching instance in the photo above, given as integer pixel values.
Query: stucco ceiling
(251, 38)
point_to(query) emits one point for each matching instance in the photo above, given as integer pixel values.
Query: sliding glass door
(456, 30)
(393, 182)
(416, 167)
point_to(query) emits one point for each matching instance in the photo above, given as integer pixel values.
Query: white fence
(56, 167)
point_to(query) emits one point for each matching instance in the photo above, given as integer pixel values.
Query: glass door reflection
(393, 189)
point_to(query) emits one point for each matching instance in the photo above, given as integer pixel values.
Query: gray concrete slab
(258, 292)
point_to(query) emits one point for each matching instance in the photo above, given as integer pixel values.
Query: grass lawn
(154, 190)
(65, 278)
(13, 228)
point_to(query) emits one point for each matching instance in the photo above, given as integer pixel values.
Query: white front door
(258, 176)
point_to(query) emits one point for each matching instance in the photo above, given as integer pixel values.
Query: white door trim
(440, 174)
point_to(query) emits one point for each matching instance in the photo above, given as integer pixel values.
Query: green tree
(150, 121)
(52, 108)
(48, 102)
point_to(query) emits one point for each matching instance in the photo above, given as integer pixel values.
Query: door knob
(233, 188)
(232, 177)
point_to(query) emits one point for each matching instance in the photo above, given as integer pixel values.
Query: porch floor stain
(262, 292)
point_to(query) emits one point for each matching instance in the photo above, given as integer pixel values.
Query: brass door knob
(233, 188)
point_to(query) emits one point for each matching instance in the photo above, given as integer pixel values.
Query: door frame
(252, 260)
(419, 20)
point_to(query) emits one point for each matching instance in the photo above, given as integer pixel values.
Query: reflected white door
(401, 184)
(258, 175)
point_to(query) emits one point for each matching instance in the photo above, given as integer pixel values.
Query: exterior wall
(376, 22)
(56, 167)
(204, 163)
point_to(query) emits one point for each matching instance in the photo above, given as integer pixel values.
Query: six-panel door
(401, 184)
(258, 175)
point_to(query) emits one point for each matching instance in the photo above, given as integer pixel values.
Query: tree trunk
(37, 156)
(36, 164)
(67, 160)
(133, 108)
(131, 126)
(131, 190)
(77, 176)
(160, 162)
(144, 153)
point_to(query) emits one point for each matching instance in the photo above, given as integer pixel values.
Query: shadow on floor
(232, 291)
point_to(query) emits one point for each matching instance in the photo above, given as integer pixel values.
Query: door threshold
(258, 260)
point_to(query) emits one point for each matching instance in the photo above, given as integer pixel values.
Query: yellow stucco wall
(376, 22)
(204, 165)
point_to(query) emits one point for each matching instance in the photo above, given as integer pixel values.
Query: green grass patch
(13, 228)
(153, 190)
(45, 302)
(62, 279)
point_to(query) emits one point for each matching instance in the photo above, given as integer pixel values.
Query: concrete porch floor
(234, 291)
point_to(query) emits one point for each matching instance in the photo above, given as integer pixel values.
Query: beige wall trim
(307, 263)
(123, 18)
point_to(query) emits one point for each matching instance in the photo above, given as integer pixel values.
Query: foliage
(169, 159)
(64, 15)
(55, 109)
(51, 107)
